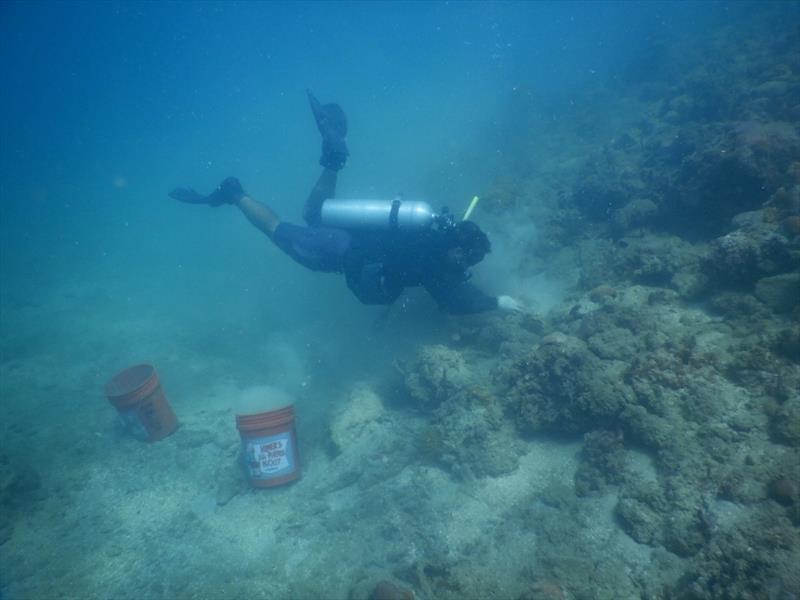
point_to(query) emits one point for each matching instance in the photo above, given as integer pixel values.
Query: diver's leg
(230, 191)
(259, 214)
(317, 248)
(324, 188)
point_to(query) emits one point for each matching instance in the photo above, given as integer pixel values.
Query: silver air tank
(377, 214)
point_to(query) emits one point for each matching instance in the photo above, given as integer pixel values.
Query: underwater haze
(631, 431)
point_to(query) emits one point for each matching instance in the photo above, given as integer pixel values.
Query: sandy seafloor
(635, 434)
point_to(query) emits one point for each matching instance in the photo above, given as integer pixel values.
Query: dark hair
(472, 239)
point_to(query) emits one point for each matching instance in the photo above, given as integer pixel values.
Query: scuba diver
(381, 246)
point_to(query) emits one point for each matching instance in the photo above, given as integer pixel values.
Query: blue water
(110, 105)
(106, 106)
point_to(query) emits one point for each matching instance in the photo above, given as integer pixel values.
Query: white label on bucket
(269, 457)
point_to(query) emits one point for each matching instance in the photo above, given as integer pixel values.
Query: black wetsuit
(379, 265)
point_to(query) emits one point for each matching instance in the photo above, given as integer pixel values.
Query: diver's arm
(461, 299)
(324, 188)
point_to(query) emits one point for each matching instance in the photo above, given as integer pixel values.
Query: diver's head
(467, 244)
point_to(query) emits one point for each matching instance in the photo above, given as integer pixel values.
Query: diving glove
(332, 125)
(509, 304)
(227, 192)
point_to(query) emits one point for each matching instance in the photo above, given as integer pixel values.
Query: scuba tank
(379, 215)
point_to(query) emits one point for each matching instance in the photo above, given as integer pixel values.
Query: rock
(791, 225)
(436, 374)
(614, 343)
(783, 491)
(640, 515)
(562, 387)
(787, 342)
(497, 455)
(736, 305)
(469, 437)
(742, 257)
(780, 292)
(636, 213)
(351, 423)
(787, 201)
(602, 293)
(649, 429)
(751, 219)
(689, 285)
(553, 339)
(710, 188)
(785, 422)
(684, 533)
(742, 562)
(602, 462)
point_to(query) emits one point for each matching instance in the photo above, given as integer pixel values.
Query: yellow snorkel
(471, 207)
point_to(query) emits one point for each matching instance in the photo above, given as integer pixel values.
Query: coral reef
(740, 258)
(436, 373)
(680, 338)
(746, 562)
(602, 462)
(562, 386)
(467, 434)
(674, 360)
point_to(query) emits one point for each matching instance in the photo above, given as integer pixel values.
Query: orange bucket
(269, 447)
(145, 412)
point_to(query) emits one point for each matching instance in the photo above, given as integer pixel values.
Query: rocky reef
(678, 348)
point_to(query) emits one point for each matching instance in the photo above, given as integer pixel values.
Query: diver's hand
(508, 303)
(227, 192)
